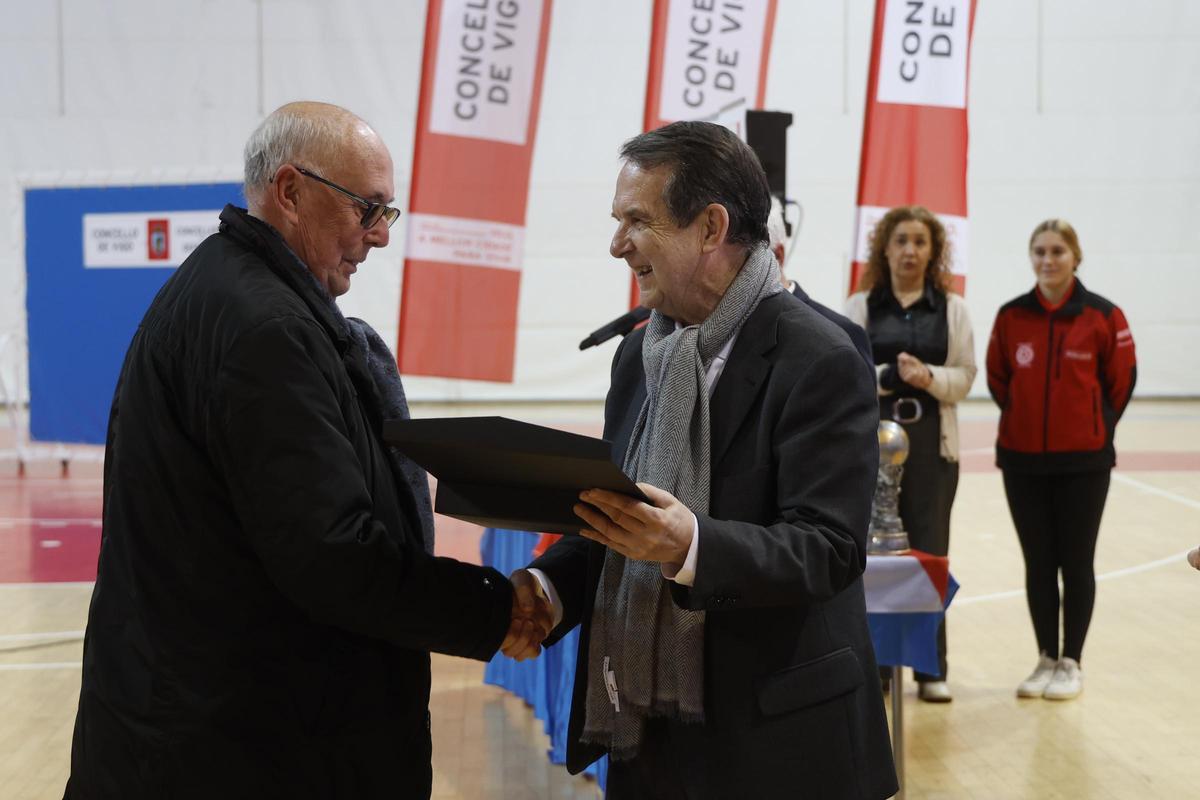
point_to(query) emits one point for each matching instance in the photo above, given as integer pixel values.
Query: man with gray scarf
(724, 649)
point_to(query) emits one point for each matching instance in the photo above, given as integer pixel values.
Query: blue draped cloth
(546, 682)
(909, 639)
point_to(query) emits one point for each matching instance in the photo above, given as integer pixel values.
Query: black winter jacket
(264, 606)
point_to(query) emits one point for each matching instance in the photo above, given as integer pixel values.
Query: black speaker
(766, 133)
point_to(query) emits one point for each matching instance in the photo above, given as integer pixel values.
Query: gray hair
(776, 231)
(301, 132)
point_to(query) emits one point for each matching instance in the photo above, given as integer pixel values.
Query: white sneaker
(1039, 679)
(934, 692)
(1067, 681)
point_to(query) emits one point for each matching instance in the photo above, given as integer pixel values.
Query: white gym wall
(1085, 109)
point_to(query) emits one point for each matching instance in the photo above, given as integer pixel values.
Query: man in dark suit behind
(724, 650)
(777, 241)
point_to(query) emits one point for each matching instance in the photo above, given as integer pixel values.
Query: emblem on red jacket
(1024, 354)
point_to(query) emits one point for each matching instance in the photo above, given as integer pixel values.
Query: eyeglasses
(373, 211)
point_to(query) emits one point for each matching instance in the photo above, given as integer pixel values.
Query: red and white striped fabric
(708, 61)
(481, 84)
(914, 147)
(912, 583)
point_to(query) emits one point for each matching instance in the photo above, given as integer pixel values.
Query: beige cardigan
(953, 380)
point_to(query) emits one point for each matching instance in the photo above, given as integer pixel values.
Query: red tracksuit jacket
(1062, 379)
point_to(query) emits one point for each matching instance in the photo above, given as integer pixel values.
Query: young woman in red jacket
(1061, 366)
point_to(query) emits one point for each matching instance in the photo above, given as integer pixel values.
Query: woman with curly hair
(925, 362)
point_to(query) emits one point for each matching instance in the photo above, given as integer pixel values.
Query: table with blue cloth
(546, 682)
(907, 597)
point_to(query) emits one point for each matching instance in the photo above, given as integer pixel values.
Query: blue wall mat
(81, 320)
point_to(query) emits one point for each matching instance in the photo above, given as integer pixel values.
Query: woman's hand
(913, 371)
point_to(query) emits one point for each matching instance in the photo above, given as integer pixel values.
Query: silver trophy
(887, 536)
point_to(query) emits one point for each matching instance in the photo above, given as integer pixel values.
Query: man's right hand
(532, 618)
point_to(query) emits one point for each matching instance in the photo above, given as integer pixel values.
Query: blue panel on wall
(94, 258)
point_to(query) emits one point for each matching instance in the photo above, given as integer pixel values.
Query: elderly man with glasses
(267, 597)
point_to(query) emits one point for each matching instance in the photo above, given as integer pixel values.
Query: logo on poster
(158, 239)
(923, 57)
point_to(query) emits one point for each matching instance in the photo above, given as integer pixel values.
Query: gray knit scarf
(646, 655)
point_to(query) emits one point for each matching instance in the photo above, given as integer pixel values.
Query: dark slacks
(655, 773)
(1057, 518)
(927, 491)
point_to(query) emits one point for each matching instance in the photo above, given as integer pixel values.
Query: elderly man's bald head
(312, 134)
(320, 177)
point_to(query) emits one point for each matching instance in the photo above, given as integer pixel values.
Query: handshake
(532, 617)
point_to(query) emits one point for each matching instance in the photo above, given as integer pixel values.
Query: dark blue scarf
(382, 367)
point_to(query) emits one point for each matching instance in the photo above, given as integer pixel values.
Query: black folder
(503, 473)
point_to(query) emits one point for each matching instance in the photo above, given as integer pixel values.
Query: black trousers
(927, 490)
(655, 773)
(1058, 520)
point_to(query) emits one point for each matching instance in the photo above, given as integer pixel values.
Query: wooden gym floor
(1134, 733)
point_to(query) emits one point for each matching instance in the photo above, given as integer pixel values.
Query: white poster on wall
(923, 55)
(712, 59)
(486, 65)
(145, 239)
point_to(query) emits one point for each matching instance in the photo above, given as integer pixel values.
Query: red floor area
(49, 528)
(50, 524)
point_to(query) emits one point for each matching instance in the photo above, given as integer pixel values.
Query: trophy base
(888, 544)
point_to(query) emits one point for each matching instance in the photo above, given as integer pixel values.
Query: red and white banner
(914, 147)
(481, 84)
(708, 61)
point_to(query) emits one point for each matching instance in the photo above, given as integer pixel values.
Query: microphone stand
(620, 326)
